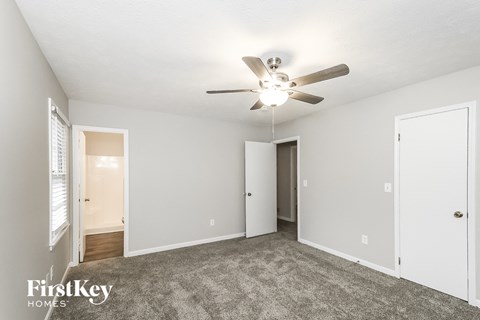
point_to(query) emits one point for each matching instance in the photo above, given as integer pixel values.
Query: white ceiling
(164, 55)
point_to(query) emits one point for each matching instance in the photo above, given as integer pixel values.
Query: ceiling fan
(276, 88)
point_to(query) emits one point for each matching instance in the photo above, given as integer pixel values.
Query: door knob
(249, 194)
(458, 214)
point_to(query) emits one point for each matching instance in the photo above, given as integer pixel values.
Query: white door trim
(297, 139)
(471, 106)
(76, 180)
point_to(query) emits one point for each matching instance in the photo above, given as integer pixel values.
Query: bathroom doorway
(101, 172)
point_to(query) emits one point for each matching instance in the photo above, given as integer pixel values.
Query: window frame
(55, 238)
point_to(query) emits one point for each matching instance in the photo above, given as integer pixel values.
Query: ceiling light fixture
(276, 87)
(273, 97)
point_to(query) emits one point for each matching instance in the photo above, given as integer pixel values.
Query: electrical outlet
(364, 239)
(388, 187)
(51, 273)
(212, 222)
(305, 183)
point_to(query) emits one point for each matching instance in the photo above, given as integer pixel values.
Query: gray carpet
(268, 277)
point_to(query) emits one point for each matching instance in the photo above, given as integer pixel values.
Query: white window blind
(59, 195)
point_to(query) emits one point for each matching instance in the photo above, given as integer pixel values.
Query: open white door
(83, 173)
(260, 188)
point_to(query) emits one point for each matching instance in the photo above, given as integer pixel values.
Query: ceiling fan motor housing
(273, 91)
(279, 79)
(274, 63)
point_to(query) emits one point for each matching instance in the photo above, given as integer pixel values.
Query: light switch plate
(388, 187)
(305, 183)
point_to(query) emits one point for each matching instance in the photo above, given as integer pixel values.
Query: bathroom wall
(104, 182)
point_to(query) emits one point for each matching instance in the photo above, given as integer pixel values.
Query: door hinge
(399, 137)
(399, 260)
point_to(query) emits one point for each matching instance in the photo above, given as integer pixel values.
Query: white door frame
(471, 106)
(76, 181)
(297, 139)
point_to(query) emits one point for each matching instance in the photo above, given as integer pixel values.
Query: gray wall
(347, 155)
(183, 172)
(26, 82)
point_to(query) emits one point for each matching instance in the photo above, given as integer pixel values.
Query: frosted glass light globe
(273, 97)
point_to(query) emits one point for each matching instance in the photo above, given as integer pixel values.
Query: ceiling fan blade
(305, 97)
(256, 65)
(257, 105)
(230, 91)
(330, 73)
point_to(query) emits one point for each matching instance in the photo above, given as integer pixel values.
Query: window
(59, 174)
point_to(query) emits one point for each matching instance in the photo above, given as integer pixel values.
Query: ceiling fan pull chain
(273, 123)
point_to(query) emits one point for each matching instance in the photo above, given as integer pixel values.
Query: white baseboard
(286, 219)
(345, 256)
(103, 230)
(183, 244)
(64, 277)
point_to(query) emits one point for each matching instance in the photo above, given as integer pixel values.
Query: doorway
(287, 205)
(100, 184)
(434, 199)
(288, 202)
(261, 215)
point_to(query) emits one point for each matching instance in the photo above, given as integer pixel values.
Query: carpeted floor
(267, 277)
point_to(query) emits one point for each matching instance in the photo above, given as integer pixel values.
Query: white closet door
(433, 201)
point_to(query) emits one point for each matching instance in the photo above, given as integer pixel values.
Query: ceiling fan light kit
(276, 87)
(273, 97)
